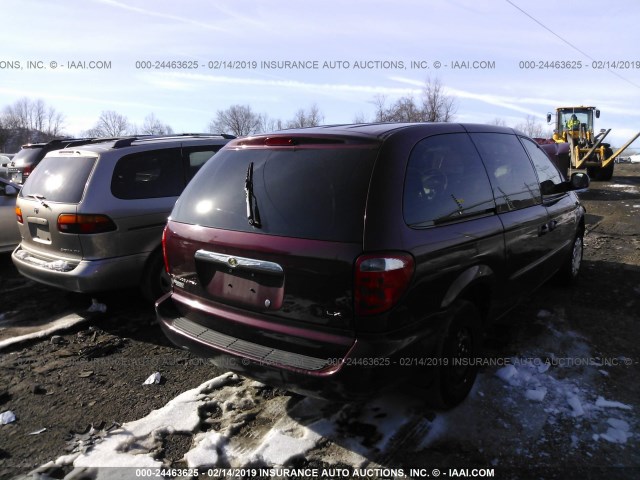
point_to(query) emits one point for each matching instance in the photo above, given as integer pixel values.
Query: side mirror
(10, 191)
(548, 118)
(597, 113)
(579, 181)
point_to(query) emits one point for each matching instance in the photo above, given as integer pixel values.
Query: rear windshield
(317, 193)
(27, 156)
(59, 179)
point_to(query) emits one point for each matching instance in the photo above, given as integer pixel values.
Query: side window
(445, 181)
(514, 181)
(548, 174)
(151, 174)
(197, 158)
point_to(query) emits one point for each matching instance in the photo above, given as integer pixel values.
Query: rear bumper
(366, 365)
(83, 276)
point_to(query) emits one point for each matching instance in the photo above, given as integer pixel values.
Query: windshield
(59, 179)
(567, 120)
(315, 193)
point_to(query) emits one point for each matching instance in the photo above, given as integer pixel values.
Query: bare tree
(31, 120)
(379, 102)
(238, 120)
(359, 118)
(500, 122)
(406, 109)
(531, 127)
(434, 106)
(153, 126)
(302, 118)
(269, 124)
(110, 124)
(437, 106)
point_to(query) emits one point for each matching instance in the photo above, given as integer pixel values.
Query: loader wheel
(606, 173)
(599, 173)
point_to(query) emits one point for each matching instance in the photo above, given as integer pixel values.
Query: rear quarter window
(151, 174)
(445, 181)
(59, 179)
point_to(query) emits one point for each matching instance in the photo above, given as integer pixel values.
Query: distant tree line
(30, 121)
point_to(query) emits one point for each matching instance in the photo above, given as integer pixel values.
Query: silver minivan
(91, 217)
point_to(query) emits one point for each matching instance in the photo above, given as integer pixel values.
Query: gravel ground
(91, 376)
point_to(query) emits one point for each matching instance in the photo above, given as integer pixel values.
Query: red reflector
(85, 224)
(164, 248)
(380, 281)
(279, 142)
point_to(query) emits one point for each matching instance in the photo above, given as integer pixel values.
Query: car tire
(460, 341)
(155, 279)
(570, 271)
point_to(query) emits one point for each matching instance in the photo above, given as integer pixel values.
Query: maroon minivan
(336, 261)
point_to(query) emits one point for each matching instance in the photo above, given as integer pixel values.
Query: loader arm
(620, 150)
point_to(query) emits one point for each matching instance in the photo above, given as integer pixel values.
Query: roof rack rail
(124, 142)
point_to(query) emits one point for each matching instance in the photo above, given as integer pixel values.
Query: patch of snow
(544, 314)
(615, 435)
(55, 325)
(96, 307)
(601, 402)
(280, 446)
(576, 405)
(206, 451)
(536, 395)
(506, 373)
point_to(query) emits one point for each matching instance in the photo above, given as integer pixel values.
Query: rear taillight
(26, 170)
(19, 215)
(164, 249)
(85, 224)
(380, 281)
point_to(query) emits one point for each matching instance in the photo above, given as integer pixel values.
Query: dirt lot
(92, 374)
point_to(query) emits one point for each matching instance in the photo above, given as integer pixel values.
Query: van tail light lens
(85, 224)
(26, 170)
(164, 249)
(19, 215)
(380, 281)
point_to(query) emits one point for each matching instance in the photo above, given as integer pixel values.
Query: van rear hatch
(48, 205)
(272, 226)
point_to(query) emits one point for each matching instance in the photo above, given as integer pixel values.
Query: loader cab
(566, 124)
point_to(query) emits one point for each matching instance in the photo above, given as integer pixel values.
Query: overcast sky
(382, 37)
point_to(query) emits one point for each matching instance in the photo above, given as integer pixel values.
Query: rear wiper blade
(253, 214)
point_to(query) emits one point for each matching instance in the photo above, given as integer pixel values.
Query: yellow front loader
(575, 126)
